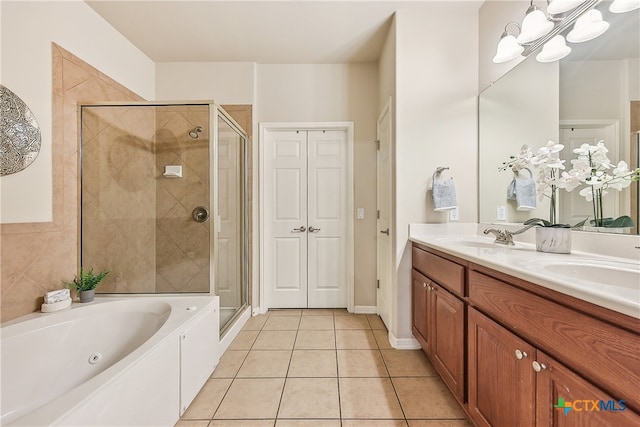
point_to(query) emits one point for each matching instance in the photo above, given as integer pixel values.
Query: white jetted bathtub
(137, 361)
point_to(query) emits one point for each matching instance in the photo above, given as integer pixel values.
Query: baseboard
(233, 331)
(403, 343)
(365, 309)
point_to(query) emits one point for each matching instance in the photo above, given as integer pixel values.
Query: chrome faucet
(505, 237)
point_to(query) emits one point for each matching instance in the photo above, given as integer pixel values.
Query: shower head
(194, 133)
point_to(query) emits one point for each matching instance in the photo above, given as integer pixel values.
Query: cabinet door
(420, 308)
(447, 338)
(565, 399)
(501, 380)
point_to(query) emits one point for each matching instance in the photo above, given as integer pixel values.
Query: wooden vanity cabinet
(601, 357)
(439, 317)
(501, 384)
(509, 349)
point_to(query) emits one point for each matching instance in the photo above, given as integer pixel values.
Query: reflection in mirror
(591, 95)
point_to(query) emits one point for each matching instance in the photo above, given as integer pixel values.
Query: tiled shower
(163, 203)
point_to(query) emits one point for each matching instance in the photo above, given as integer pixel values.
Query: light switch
(501, 213)
(360, 213)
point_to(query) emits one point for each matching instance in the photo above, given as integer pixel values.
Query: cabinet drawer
(604, 354)
(447, 273)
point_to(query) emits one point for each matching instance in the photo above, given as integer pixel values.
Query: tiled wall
(182, 244)
(119, 196)
(37, 257)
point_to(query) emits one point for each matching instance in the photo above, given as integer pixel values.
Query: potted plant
(550, 236)
(593, 168)
(85, 283)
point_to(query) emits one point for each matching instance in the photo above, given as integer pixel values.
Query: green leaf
(538, 221)
(621, 221)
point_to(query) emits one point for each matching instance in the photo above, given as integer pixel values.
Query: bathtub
(117, 361)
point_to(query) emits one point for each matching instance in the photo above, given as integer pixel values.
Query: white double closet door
(305, 218)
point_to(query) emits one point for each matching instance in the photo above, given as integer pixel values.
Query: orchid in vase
(593, 168)
(548, 165)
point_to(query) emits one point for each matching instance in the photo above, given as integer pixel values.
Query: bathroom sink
(473, 242)
(605, 272)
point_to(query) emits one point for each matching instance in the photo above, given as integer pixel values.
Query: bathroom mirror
(592, 94)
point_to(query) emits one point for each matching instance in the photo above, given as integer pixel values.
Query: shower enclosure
(163, 196)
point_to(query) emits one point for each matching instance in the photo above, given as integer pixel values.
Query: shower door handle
(200, 214)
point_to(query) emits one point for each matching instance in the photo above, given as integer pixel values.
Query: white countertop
(524, 262)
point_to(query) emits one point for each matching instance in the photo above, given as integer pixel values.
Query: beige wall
(436, 125)
(37, 257)
(334, 92)
(27, 30)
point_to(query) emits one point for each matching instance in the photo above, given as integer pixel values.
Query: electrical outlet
(360, 213)
(501, 213)
(453, 214)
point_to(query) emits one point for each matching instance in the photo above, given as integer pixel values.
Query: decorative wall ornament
(19, 133)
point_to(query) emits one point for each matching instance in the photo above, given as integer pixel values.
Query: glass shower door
(231, 265)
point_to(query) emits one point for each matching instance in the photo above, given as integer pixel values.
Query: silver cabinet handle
(300, 229)
(313, 230)
(538, 366)
(521, 354)
(385, 231)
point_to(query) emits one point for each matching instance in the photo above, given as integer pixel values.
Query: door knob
(300, 229)
(200, 214)
(385, 231)
(313, 230)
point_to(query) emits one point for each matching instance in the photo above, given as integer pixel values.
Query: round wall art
(19, 133)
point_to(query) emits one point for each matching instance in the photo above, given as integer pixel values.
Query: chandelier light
(557, 7)
(538, 30)
(508, 47)
(588, 27)
(534, 25)
(554, 50)
(622, 6)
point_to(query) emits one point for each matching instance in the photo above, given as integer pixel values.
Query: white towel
(55, 296)
(444, 193)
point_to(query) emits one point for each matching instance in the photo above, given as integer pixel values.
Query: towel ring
(517, 172)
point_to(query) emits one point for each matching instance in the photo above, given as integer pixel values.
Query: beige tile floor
(321, 368)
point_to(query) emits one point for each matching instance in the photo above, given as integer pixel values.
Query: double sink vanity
(524, 338)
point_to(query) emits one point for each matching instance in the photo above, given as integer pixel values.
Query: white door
(574, 207)
(327, 219)
(305, 219)
(384, 216)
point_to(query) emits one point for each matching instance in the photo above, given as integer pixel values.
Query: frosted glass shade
(622, 6)
(588, 27)
(561, 6)
(508, 49)
(553, 50)
(534, 26)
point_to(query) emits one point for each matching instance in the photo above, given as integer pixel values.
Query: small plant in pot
(85, 283)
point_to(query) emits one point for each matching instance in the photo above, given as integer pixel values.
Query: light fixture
(557, 7)
(508, 47)
(554, 50)
(534, 25)
(622, 6)
(588, 27)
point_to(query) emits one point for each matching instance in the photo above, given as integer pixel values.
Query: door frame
(385, 114)
(309, 126)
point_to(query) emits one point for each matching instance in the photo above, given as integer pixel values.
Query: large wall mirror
(592, 94)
